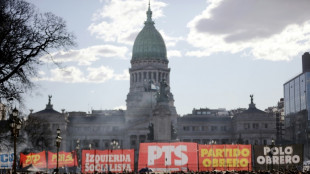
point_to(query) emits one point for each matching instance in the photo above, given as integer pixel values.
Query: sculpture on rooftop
(49, 99)
(163, 91)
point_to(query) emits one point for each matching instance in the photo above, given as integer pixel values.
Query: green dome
(149, 44)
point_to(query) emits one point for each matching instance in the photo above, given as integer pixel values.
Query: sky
(219, 51)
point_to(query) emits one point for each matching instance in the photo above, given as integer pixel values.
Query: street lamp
(77, 148)
(271, 153)
(15, 124)
(58, 141)
(114, 145)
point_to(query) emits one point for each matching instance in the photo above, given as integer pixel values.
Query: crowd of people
(285, 171)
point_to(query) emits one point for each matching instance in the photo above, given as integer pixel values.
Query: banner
(65, 159)
(164, 157)
(225, 157)
(278, 157)
(116, 161)
(36, 159)
(6, 160)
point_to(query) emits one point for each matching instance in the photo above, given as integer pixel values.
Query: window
(246, 126)
(266, 125)
(133, 139)
(223, 128)
(265, 142)
(186, 128)
(205, 141)
(196, 141)
(204, 128)
(150, 75)
(224, 141)
(96, 143)
(144, 75)
(142, 138)
(195, 128)
(154, 75)
(198, 113)
(256, 142)
(255, 125)
(132, 142)
(213, 128)
(140, 77)
(106, 144)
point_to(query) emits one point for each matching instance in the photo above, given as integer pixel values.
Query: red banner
(164, 157)
(120, 160)
(225, 157)
(65, 159)
(36, 159)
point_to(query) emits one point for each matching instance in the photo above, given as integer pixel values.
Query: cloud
(124, 76)
(99, 75)
(272, 30)
(119, 20)
(174, 53)
(75, 75)
(68, 75)
(169, 40)
(88, 55)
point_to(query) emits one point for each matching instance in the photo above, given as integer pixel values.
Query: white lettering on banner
(183, 157)
(107, 167)
(90, 158)
(278, 155)
(278, 150)
(156, 152)
(278, 159)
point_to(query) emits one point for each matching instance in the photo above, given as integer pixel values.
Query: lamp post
(15, 124)
(271, 152)
(114, 145)
(77, 148)
(58, 141)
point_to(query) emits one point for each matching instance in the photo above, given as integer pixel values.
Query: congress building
(151, 115)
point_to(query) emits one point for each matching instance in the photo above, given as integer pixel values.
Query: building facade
(151, 115)
(297, 105)
(241, 126)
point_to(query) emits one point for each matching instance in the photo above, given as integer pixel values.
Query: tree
(4, 135)
(25, 36)
(39, 136)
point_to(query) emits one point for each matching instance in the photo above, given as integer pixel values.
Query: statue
(251, 98)
(163, 91)
(49, 99)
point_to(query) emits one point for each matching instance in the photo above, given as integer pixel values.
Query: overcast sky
(219, 51)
